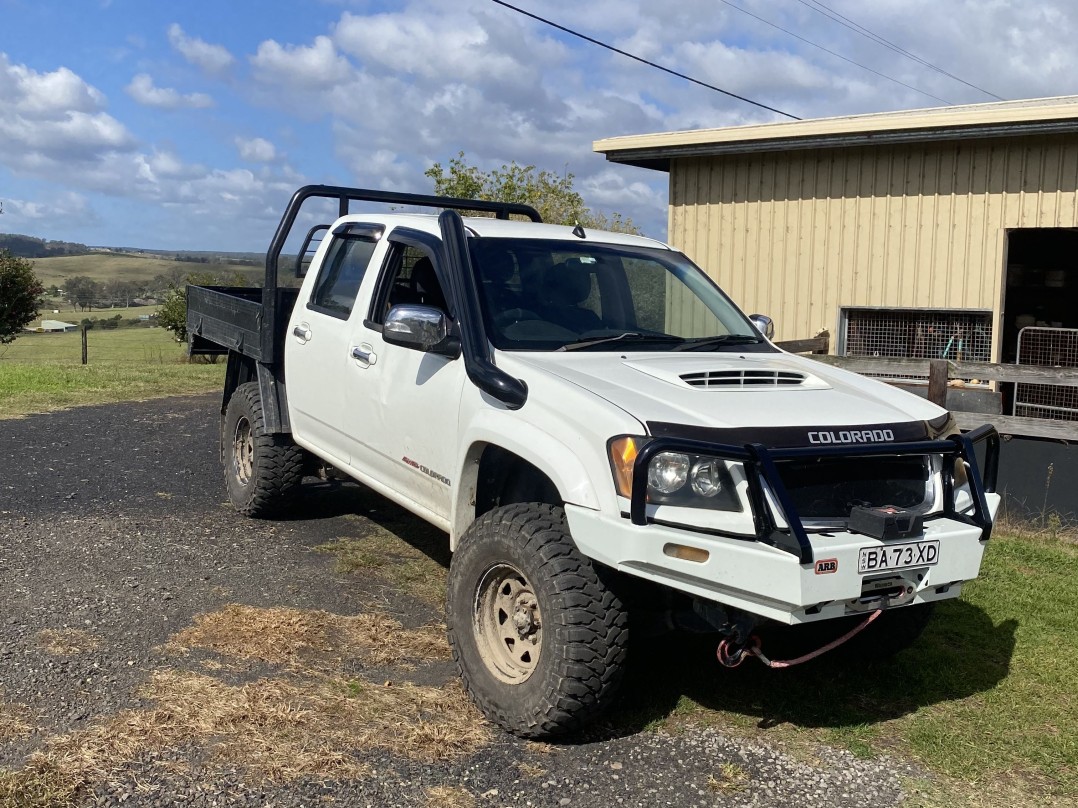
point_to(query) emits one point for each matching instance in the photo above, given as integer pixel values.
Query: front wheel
(540, 642)
(263, 472)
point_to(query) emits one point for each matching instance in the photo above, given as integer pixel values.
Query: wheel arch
(271, 387)
(499, 471)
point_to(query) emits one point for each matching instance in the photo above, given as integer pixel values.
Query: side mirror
(764, 324)
(421, 328)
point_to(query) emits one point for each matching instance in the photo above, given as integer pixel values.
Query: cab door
(402, 405)
(318, 341)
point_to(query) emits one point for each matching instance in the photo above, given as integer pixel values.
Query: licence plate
(898, 556)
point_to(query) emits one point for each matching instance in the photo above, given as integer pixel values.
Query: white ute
(589, 417)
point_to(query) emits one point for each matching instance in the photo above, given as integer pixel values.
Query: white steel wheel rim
(508, 624)
(243, 451)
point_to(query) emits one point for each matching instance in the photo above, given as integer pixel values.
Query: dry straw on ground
(309, 638)
(449, 797)
(67, 641)
(14, 721)
(308, 721)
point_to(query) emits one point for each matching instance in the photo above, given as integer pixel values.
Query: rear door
(401, 404)
(318, 340)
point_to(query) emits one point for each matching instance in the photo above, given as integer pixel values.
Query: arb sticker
(826, 565)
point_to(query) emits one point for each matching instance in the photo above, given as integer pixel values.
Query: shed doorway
(1039, 322)
(1041, 283)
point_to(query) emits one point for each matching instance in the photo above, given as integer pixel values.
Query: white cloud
(45, 96)
(315, 66)
(143, 90)
(54, 118)
(65, 205)
(256, 150)
(214, 59)
(433, 47)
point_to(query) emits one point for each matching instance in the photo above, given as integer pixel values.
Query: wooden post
(84, 344)
(937, 381)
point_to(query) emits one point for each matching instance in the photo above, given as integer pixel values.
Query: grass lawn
(43, 372)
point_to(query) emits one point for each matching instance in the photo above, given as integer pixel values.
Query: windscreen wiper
(628, 336)
(702, 343)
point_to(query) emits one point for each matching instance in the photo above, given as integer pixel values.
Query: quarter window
(342, 272)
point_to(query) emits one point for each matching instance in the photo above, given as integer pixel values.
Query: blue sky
(188, 125)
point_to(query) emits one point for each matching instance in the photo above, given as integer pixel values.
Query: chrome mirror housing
(421, 328)
(764, 324)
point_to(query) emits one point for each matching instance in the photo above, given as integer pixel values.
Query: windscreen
(540, 294)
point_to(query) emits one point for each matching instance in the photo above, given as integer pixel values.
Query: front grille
(829, 489)
(743, 378)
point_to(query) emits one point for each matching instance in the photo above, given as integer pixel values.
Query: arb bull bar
(761, 469)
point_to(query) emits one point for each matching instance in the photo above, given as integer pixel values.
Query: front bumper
(774, 572)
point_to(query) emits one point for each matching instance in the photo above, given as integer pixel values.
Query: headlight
(674, 478)
(708, 477)
(667, 472)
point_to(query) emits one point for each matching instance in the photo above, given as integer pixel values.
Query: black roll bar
(762, 475)
(344, 195)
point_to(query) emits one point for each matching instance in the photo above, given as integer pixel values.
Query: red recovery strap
(731, 658)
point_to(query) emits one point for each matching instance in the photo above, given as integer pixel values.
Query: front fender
(551, 454)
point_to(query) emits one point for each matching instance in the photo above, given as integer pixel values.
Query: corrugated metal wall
(798, 234)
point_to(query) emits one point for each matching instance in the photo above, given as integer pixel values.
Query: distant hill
(152, 270)
(30, 247)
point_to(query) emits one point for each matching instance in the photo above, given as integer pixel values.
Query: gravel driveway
(157, 649)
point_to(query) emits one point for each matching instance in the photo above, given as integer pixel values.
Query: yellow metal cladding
(799, 234)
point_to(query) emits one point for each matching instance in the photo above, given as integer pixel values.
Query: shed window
(957, 334)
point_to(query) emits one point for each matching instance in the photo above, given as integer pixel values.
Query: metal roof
(1037, 116)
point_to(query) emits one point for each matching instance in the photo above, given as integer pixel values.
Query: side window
(338, 280)
(409, 279)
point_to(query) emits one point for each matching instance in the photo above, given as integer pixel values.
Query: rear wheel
(540, 642)
(263, 472)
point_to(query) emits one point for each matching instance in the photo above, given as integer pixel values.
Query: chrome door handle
(364, 355)
(302, 332)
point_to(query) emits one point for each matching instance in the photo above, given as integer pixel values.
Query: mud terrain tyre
(262, 472)
(540, 642)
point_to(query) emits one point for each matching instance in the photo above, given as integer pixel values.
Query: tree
(19, 293)
(82, 291)
(172, 315)
(550, 193)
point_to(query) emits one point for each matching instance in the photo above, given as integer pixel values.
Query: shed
(50, 326)
(925, 233)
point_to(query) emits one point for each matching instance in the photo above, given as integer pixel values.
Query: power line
(828, 50)
(644, 61)
(857, 28)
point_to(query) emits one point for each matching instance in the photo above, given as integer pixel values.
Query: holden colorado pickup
(596, 426)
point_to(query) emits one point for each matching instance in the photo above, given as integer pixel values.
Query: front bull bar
(761, 469)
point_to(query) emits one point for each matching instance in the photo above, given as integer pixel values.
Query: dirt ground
(158, 649)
